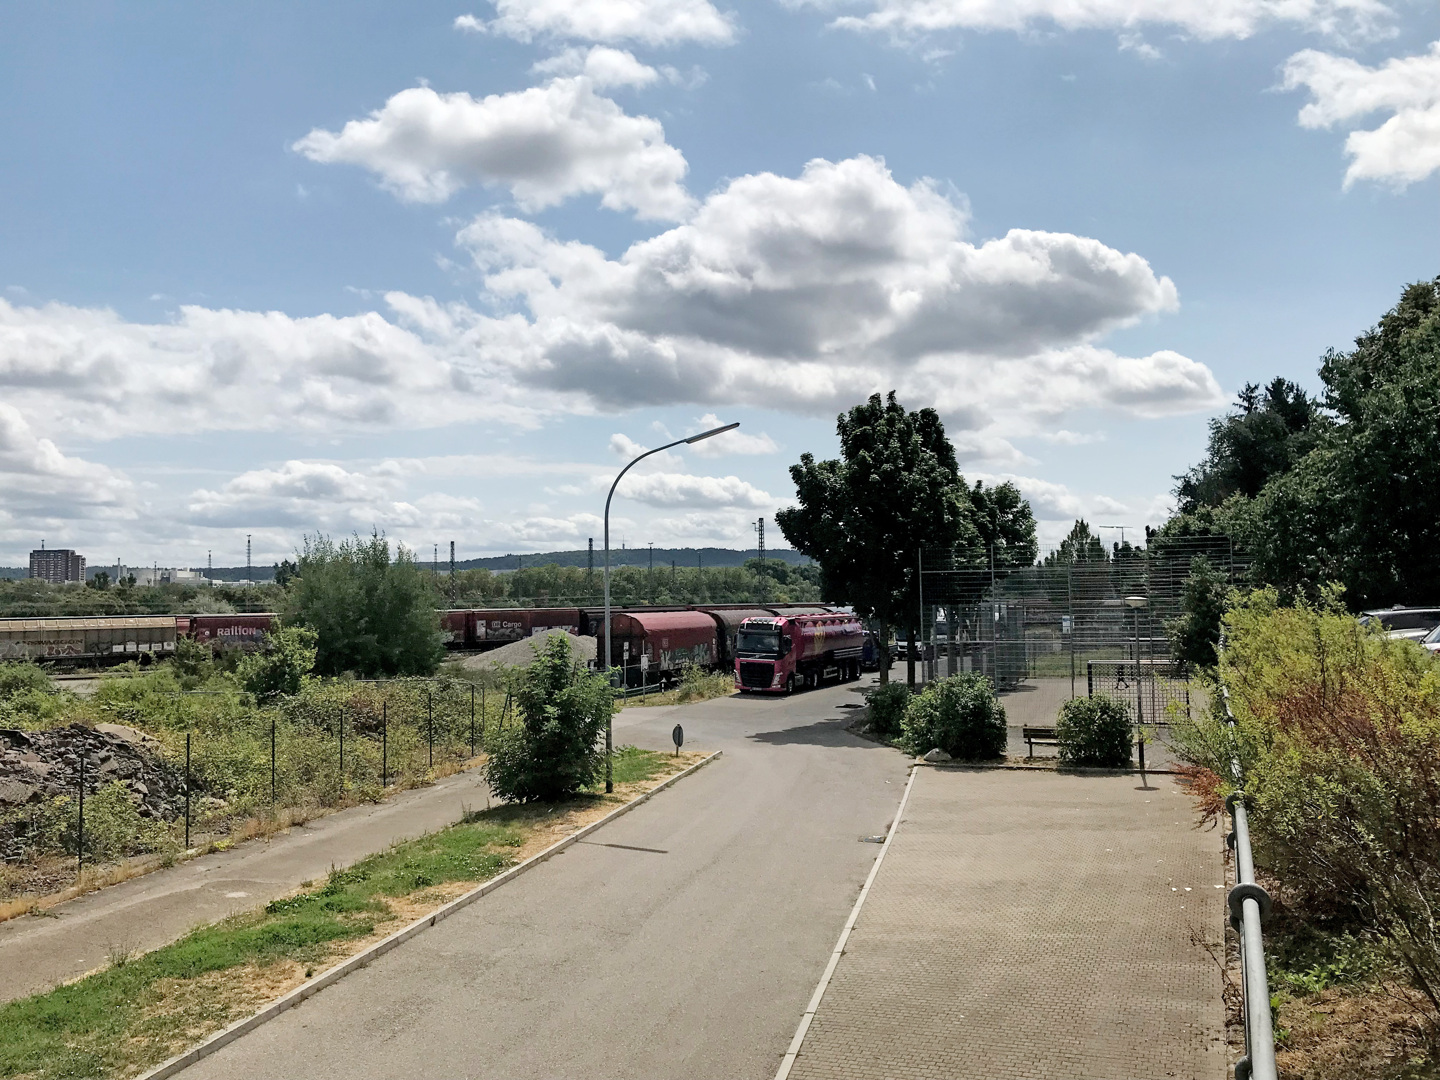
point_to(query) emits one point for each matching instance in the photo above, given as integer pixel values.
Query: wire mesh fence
(230, 773)
(1103, 623)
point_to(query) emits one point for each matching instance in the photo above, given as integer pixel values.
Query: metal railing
(1249, 907)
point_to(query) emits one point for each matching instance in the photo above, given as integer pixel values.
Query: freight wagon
(669, 642)
(111, 639)
(248, 630)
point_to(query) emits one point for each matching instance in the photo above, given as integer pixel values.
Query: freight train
(648, 644)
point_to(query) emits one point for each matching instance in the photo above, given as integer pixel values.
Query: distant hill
(706, 557)
(709, 557)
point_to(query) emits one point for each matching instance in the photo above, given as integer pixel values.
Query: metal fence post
(430, 723)
(384, 741)
(80, 833)
(472, 720)
(340, 730)
(187, 791)
(272, 763)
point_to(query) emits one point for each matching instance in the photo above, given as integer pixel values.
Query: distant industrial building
(56, 565)
(155, 575)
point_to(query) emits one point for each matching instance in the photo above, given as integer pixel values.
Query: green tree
(1195, 634)
(554, 751)
(280, 668)
(1005, 524)
(1263, 437)
(1079, 546)
(1363, 506)
(373, 615)
(865, 517)
(100, 582)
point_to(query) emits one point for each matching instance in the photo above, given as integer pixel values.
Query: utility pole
(210, 564)
(590, 560)
(760, 533)
(452, 573)
(435, 563)
(652, 574)
(248, 575)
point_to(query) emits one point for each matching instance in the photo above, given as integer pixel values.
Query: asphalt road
(682, 940)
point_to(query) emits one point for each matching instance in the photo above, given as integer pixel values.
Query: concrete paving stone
(1030, 926)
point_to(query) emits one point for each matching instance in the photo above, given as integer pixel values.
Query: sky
(440, 270)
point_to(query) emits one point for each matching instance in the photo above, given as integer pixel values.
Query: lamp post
(1135, 603)
(609, 774)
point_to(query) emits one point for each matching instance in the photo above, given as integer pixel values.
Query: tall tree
(372, 615)
(1363, 507)
(1005, 524)
(1079, 546)
(1264, 436)
(865, 517)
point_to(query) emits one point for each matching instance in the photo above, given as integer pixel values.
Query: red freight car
(497, 626)
(457, 628)
(668, 640)
(228, 631)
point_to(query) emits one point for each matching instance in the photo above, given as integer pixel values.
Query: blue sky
(436, 268)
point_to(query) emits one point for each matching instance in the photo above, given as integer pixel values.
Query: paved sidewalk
(144, 913)
(1032, 925)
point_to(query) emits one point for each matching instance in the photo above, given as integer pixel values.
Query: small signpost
(678, 735)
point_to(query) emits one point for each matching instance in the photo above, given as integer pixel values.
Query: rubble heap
(39, 765)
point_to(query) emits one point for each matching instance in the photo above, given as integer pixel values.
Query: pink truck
(781, 654)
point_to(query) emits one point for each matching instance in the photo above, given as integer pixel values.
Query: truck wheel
(790, 684)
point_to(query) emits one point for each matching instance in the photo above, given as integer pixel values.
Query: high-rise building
(57, 565)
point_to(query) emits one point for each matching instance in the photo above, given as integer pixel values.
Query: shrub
(1338, 736)
(697, 684)
(17, 676)
(281, 668)
(1094, 731)
(960, 715)
(551, 754)
(887, 708)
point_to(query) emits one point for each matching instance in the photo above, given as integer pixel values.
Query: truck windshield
(758, 643)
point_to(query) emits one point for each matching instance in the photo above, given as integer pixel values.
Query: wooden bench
(1045, 736)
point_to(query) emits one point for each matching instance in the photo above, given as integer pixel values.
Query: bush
(960, 716)
(887, 708)
(552, 753)
(1338, 736)
(1094, 731)
(281, 668)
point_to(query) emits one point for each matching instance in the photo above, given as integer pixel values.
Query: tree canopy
(864, 518)
(1005, 524)
(1079, 546)
(372, 614)
(1352, 493)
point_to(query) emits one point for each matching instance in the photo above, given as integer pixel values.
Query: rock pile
(38, 765)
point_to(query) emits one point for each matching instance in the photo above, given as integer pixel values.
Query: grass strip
(140, 1011)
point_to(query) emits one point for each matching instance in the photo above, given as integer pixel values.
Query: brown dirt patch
(1376, 1032)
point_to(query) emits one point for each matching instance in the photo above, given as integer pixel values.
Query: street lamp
(609, 773)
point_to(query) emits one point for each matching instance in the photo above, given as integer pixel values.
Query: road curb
(345, 967)
(1071, 770)
(788, 1062)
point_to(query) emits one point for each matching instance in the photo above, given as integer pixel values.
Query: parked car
(1431, 641)
(1408, 623)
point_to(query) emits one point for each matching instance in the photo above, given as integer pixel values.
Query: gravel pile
(520, 653)
(38, 765)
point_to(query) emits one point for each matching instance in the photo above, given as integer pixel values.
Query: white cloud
(545, 144)
(603, 66)
(1204, 19)
(90, 373)
(652, 22)
(1056, 507)
(41, 482)
(732, 442)
(1406, 147)
(667, 489)
(808, 293)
